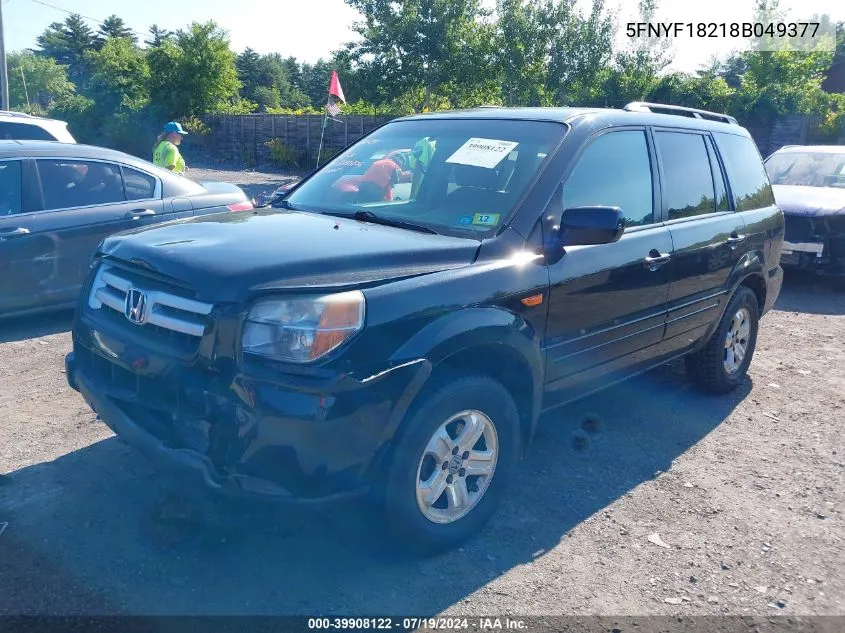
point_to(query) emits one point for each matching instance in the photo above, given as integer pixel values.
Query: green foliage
(196, 127)
(157, 36)
(285, 156)
(81, 116)
(208, 80)
(419, 44)
(114, 27)
(417, 55)
(120, 76)
(45, 82)
(67, 42)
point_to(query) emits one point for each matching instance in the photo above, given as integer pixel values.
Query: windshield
(810, 169)
(456, 176)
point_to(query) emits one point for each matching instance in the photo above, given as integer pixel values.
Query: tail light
(240, 206)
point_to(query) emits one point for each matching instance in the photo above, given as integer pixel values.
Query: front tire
(723, 363)
(452, 463)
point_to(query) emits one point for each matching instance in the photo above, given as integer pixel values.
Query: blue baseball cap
(173, 126)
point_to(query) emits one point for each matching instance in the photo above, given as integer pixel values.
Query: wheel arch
(491, 341)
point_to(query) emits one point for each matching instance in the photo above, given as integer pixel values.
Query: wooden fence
(243, 139)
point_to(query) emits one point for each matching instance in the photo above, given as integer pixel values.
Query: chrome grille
(163, 309)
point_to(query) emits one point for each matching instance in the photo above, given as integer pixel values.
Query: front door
(607, 302)
(709, 239)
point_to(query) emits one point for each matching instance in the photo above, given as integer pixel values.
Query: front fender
(460, 332)
(471, 327)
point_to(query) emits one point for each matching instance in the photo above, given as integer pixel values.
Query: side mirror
(591, 225)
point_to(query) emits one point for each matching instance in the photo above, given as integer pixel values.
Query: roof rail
(643, 106)
(23, 115)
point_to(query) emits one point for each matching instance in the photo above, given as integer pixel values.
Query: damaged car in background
(809, 186)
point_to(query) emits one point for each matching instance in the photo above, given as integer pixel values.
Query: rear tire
(438, 451)
(718, 367)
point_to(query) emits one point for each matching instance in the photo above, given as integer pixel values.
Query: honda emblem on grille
(136, 306)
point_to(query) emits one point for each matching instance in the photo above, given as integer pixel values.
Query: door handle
(656, 259)
(137, 214)
(735, 240)
(9, 234)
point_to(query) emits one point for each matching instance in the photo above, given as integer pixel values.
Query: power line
(87, 17)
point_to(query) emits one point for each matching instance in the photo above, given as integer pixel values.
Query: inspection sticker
(482, 152)
(486, 219)
(464, 220)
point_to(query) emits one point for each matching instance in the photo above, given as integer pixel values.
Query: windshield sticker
(482, 152)
(464, 220)
(486, 219)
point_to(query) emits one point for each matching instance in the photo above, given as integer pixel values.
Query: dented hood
(228, 256)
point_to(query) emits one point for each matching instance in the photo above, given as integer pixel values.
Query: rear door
(708, 238)
(753, 198)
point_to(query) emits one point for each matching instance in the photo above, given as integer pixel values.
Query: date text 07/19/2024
(417, 624)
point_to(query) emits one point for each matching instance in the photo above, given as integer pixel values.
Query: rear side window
(139, 186)
(24, 132)
(746, 174)
(10, 187)
(686, 168)
(614, 171)
(75, 183)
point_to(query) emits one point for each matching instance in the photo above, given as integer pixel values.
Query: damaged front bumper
(257, 439)
(815, 244)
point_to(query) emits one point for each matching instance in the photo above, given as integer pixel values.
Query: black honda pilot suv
(398, 321)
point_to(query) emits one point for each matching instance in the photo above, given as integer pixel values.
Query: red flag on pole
(334, 87)
(335, 95)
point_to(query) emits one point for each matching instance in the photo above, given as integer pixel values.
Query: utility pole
(4, 75)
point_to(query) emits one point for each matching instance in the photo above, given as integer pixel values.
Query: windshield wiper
(369, 216)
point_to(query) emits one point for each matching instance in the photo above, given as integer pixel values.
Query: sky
(310, 29)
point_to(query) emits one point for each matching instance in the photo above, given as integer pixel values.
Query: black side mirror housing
(590, 225)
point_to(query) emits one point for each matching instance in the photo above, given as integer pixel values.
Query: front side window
(688, 178)
(75, 183)
(454, 176)
(746, 174)
(807, 169)
(614, 171)
(10, 187)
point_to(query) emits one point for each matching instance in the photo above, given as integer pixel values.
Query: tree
(120, 76)
(114, 27)
(36, 81)
(266, 98)
(315, 81)
(524, 41)
(194, 73)
(550, 53)
(157, 36)
(247, 65)
(424, 44)
(67, 42)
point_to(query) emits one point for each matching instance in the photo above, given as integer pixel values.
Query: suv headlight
(302, 328)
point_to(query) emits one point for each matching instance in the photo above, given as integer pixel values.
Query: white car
(18, 126)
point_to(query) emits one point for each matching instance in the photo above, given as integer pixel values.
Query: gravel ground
(252, 181)
(673, 502)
